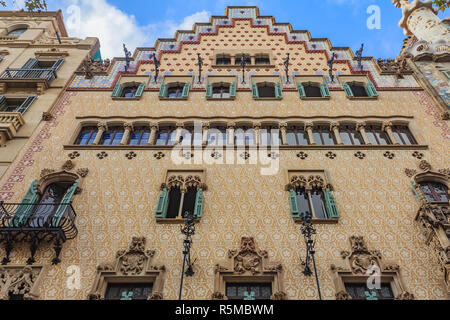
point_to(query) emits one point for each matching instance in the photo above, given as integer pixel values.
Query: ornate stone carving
(397, 67)
(46, 172)
(248, 263)
(361, 258)
(90, 68)
(83, 172)
(410, 172)
(47, 116)
(424, 166)
(20, 281)
(135, 264)
(68, 165)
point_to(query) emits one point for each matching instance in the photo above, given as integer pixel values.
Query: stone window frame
(362, 80)
(14, 27)
(21, 278)
(317, 80)
(353, 268)
(134, 265)
(170, 80)
(248, 265)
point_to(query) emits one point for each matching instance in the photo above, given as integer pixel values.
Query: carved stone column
(283, 130)
(233, 60)
(309, 129)
(128, 129)
(205, 128)
(257, 129)
(153, 131)
(180, 127)
(253, 60)
(102, 127)
(361, 127)
(387, 126)
(230, 133)
(335, 128)
(180, 210)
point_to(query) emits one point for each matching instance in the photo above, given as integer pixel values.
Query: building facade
(247, 125)
(37, 60)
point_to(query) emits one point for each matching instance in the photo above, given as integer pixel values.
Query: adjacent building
(247, 126)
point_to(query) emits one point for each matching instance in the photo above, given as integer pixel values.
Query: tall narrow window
(217, 136)
(166, 136)
(318, 202)
(87, 136)
(323, 135)
(189, 201)
(140, 136)
(350, 136)
(270, 136)
(377, 136)
(174, 202)
(190, 137)
(403, 135)
(297, 136)
(435, 192)
(304, 204)
(244, 136)
(113, 136)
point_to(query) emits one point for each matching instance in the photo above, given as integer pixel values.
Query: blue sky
(141, 22)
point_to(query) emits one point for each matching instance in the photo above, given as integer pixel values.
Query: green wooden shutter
(26, 104)
(117, 92)
(293, 202)
(163, 91)
(415, 191)
(25, 208)
(233, 90)
(301, 90)
(65, 204)
(162, 205)
(347, 89)
(324, 90)
(330, 204)
(278, 91)
(199, 200)
(371, 90)
(209, 90)
(140, 90)
(186, 89)
(255, 92)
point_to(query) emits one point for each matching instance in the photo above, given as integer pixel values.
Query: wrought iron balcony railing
(23, 73)
(34, 224)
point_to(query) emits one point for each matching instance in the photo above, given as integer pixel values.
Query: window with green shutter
(186, 89)
(198, 209)
(163, 91)
(65, 205)
(26, 207)
(278, 91)
(347, 89)
(209, 90)
(301, 90)
(293, 203)
(140, 90)
(163, 201)
(233, 90)
(371, 90)
(324, 90)
(331, 206)
(117, 92)
(255, 92)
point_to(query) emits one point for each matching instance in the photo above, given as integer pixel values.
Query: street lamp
(188, 230)
(308, 230)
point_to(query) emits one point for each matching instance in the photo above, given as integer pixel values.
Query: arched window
(376, 135)
(189, 201)
(350, 136)
(113, 136)
(129, 92)
(174, 202)
(166, 136)
(312, 90)
(358, 90)
(87, 136)
(175, 91)
(140, 136)
(323, 135)
(435, 192)
(297, 136)
(17, 32)
(266, 90)
(217, 136)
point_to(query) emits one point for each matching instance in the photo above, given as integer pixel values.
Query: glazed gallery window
(140, 136)
(113, 136)
(223, 60)
(312, 201)
(217, 136)
(403, 135)
(377, 136)
(435, 192)
(249, 291)
(350, 136)
(323, 135)
(247, 59)
(16, 105)
(190, 137)
(17, 32)
(270, 136)
(178, 199)
(166, 136)
(297, 136)
(87, 136)
(359, 291)
(262, 59)
(244, 136)
(128, 291)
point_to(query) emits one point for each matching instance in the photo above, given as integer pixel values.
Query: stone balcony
(10, 123)
(22, 77)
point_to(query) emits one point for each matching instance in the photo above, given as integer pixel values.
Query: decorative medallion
(360, 155)
(159, 155)
(389, 155)
(102, 155)
(216, 155)
(273, 155)
(131, 155)
(418, 155)
(302, 155)
(245, 155)
(331, 155)
(74, 155)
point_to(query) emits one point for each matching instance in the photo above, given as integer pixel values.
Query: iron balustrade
(23, 73)
(34, 224)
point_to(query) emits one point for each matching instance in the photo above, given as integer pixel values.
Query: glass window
(174, 202)
(312, 90)
(10, 106)
(113, 136)
(435, 192)
(190, 137)
(248, 60)
(140, 136)
(248, 291)
(350, 136)
(297, 136)
(128, 291)
(189, 201)
(359, 291)
(221, 91)
(129, 92)
(377, 136)
(358, 90)
(175, 92)
(303, 201)
(166, 136)
(403, 135)
(262, 60)
(223, 60)
(323, 135)
(266, 90)
(17, 32)
(87, 136)
(270, 136)
(217, 136)
(244, 136)
(318, 201)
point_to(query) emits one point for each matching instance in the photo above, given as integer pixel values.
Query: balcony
(23, 77)
(36, 224)
(10, 123)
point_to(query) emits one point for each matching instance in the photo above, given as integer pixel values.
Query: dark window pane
(257, 291)
(87, 136)
(312, 91)
(129, 92)
(175, 92)
(303, 201)
(174, 202)
(266, 91)
(132, 291)
(358, 91)
(189, 201)
(360, 291)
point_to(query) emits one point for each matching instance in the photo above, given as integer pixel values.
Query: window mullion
(311, 204)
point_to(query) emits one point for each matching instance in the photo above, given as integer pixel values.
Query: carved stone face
(248, 244)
